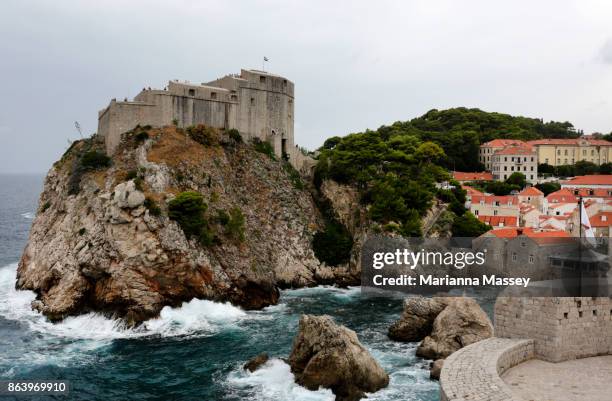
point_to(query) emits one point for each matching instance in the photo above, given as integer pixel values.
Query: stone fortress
(256, 103)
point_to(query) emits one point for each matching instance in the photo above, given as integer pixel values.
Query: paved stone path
(577, 380)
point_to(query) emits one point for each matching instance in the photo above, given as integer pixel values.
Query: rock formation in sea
(444, 324)
(328, 355)
(173, 215)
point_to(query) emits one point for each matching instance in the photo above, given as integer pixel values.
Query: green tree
(583, 167)
(517, 179)
(469, 226)
(188, 209)
(333, 245)
(548, 187)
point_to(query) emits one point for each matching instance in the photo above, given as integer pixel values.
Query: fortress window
(191, 92)
(234, 97)
(252, 101)
(213, 95)
(262, 79)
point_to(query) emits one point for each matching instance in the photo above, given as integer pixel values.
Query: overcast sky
(355, 65)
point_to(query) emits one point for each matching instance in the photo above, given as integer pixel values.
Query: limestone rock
(328, 355)
(461, 323)
(256, 362)
(98, 247)
(417, 318)
(436, 369)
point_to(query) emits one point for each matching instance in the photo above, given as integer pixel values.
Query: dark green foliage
(222, 217)
(565, 171)
(333, 245)
(331, 143)
(175, 122)
(294, 176)
(548, 187)
(517, 179)
(584, 167)
(234, 134)
(188, 209)
(141, 136)
(235, 224)
(544, 169)
(264, 147)
(605, 168)
(93, 160)
(45, 206)
(131, 175)
(203, 135)
(469, 226)
(152, 206)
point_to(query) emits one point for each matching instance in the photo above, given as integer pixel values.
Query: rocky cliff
(105, 238)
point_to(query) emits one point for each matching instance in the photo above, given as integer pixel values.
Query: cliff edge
(174, 214)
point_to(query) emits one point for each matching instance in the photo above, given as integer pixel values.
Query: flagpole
(580, 245)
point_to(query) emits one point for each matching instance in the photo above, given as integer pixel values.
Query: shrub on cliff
(234, 134)
(203, 135)
(333, 245)
(188, 209)
(235, 224)
(264, 147)
(93, 160)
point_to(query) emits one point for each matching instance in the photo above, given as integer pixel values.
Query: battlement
(256, 103)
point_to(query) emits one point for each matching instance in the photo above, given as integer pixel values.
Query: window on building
(262, 79)
(532, 159)
(565, 152)
(531, 168)
(511, 168)
(234, 97)
(592, 152)
(213, 95)
(191, 92)
(476, 212)
(531, 259)
(523, 244)
(505, 159)
(545, 161)
(252, 101)
(558, 161)
(514, 256)
(584, 152)
(494, 212)
(531, 177)
(559, 152)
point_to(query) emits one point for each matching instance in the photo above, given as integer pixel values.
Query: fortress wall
(563, 328)
(120, 117)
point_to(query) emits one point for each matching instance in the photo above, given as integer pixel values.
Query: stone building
(514, 158)
(256, 103)
(559, 152)
(485, 155)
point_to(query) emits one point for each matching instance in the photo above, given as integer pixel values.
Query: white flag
(266, 59)
(585, 223)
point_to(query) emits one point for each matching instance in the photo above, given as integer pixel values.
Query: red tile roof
(461, 176)
(506, 200)
(471, 191)
(516, 150)
(500, 143)
(570, 142)
(603, 179)
(496, 221)
(563, 195)
(531, 191)
(541, 237)
(601, 219)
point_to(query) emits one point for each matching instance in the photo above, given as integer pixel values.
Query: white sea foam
(274, 381)
(349, 292)
(27, 215)
(200, 317)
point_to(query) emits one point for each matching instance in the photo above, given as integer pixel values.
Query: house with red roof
(516, 158)
(563, 195)
(601, 223)
(532, 196)
(464, 177)
(602, 181)
(497, 211)
(559, 152)
(486, 151)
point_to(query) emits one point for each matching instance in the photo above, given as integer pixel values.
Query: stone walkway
(581, 379)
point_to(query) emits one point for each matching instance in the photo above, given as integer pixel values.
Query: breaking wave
(27, 215)
(273, 381)
(196, 317)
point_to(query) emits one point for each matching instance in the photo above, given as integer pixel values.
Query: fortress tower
(256, 103)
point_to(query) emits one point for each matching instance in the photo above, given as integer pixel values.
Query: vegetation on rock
(468, 225)
(188, 209)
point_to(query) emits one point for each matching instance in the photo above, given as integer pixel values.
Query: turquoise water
(194, 352)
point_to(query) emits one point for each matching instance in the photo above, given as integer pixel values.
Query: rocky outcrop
(256, 362)
(461, 323)
(417, 318)
(444, 324)
(103, 240)
(327, 355)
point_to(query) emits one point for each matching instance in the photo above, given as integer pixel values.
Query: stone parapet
(474, 373)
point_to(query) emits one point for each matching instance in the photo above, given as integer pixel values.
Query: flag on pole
(266, 59)
(586, 224)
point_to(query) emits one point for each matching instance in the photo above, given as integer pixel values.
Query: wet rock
(256, 362)
(461, 323)
(417, 318)
(436, 369)
(328, 355)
